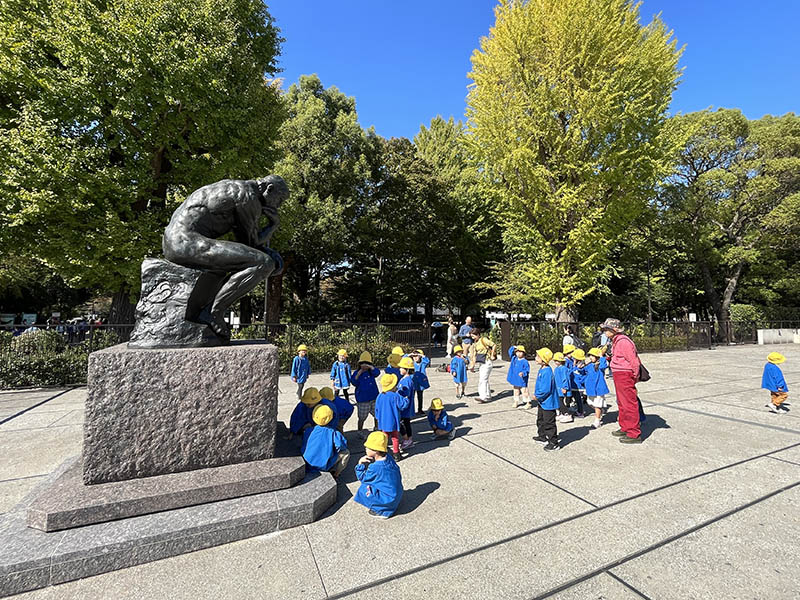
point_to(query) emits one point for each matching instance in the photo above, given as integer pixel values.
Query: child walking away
(421, 383)
(773, 380)
(458, 369)
(518, 372)
(363, 379)
(439, 421)
(561, 374)
(547, 397)
(324, 447)
(301, 368)
(595, 384)
(576, 377)
(344, 409)
(406, 389)
(387, 411)
(340, 374)
(391, 365)
(381, 486)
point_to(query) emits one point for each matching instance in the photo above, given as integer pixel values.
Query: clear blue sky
(407, 61)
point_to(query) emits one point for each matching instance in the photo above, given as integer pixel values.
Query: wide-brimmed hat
(342, 352)
(776, 358)
(520, 348)
(406, 363)
(365, 357)
(326, 393)
(545, 354)
(377, 441)
(595, 352)
(612, 324)
(578, 354)
(393, 360)
(398, 350)
(311, 396)
(437, 404)
(388, 382)
(568, 349)
(558, 357)
(457, 349)
(322, 414)
(302, 347)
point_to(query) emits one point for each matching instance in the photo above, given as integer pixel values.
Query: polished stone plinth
(158, 411)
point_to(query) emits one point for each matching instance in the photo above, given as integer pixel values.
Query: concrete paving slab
(751, 554)
(33, 420)
(760, 423)
(11, 492)
(39, 451)
(600, 587)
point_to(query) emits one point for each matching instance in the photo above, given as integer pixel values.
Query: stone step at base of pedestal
(32, 559)
(69, 503)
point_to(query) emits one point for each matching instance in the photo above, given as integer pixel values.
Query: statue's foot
(215, 322)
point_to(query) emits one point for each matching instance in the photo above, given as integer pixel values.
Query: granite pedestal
(158, 411)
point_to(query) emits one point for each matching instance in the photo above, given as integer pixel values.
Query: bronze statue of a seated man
(230, 205)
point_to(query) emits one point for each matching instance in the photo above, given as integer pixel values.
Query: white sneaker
(596, 424)
(772, 408)
(564, 418)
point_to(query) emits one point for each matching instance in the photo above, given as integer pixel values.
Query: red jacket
(624, 356)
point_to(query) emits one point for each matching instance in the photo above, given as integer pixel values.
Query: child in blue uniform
(458, 369)
(406, 389)
(595, 384)
(518, 372)
(324, 448)
(381, 486)
(387, 411)
(547, 396)
(340, 375)
(421, 383)
(439, 420)
(363, 379)
(576, 376)
(344, 410)
(391, 365)
(773, 380)
(301, 369)
(561, 373)
(301, 415)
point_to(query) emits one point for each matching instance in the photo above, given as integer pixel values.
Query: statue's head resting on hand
(274, 192)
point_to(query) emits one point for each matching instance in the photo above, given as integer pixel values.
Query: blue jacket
(458, 369)
(340, 373)
(595, 380)
(773, 379)
(302, 415)
(406, 389)
(343, 407)
(381, 486)
(420, 375)
(366, 386)
(389, 370)
(321, 447)
(301, 368)
(576, 377)
(443, 422)
(561, 373)
(517, 366)
(387, 410)
(545, 391)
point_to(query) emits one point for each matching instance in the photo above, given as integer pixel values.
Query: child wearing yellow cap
(301, 369)
(324, 447)
(301, 417)
(391, 365)
(774, 381)
(406, 388)
(344, 410)
(595, 384)
(547, 396)
(364, 380)
(577, 375)
(561, 374)
(421, 383)
(387, 410)
(458, 369)
(518, 372)
(381, 488)
(340, 375)
(439, 420)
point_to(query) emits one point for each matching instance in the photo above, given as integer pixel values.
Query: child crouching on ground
(518, 372)
(547, 396)
(595, 384)
(439, 420)
(324, 448)
(458, 369)
(387, 411)
(301, 418)
(773, 380)
(344, 410)
(381, 486)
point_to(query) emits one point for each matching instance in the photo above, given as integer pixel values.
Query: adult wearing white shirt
(568, 336)
(482, 352)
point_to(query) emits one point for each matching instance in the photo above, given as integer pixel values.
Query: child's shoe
(540, 439)
(529, 406)
(784, 408)
(551, 446)
(597, 424)
(406, 444)
(452, 434)
(372, 513)
(564, 418)
(772, 408)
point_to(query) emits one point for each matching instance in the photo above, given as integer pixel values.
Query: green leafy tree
(566, 112)
(112, 111)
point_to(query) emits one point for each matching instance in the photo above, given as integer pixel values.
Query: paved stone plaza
(707, 507)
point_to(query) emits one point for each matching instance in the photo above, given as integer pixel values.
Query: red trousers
(625, 388)
(394, 436)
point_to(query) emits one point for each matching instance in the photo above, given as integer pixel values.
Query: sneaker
(452, 434)
(406, 444)
(550, 446)
(619, 433)
(783, 407)
(597, 424)
(580, 415)
(529, 406)
(540, 439)
(772, 408)
(480, 400)
(630, 440)
(564, 418)
(372, 513)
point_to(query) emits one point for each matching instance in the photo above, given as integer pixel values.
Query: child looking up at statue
(301, 369)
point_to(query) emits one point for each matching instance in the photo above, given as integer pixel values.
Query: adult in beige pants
(482, 353)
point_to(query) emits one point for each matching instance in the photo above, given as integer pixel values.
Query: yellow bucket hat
(568, 348)
(437, 404)
(596, 352)
(311, 397)
(342, 352)
(388, 382)
(393, 360)
(420, 352)
(519, 348)
(776, 358)
(365, 357)
(558, 357)
(322, 414)
(377, 440)
(406, 363)
(578, 354)
(326, 393)
(398, 350)
(302, 347)
(545, 354)
(457, 349)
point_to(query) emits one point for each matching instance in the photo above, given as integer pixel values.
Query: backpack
(579, 343)
(596, 339)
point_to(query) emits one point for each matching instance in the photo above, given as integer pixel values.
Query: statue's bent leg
(239, 285)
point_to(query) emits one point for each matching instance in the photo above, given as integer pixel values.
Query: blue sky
(407, 61)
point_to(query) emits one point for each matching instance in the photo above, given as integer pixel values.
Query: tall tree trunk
(429, 310)
(565, 314)
(246, 310)
(275, 299)
(122, 309)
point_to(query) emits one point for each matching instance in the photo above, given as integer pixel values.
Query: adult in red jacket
(625, 369)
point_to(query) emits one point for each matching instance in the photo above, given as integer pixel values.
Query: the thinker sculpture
(222, 271)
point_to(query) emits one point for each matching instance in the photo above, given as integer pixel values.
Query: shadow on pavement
(413, 499)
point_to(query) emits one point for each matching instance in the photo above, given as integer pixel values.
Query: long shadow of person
(412, 499)
(652, 423)
(568, 436)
